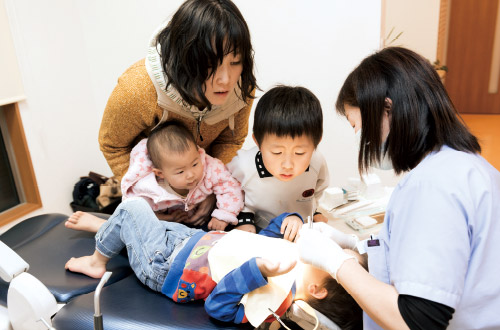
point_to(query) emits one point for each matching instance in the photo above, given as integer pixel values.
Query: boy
(284, 173)
(187, 264)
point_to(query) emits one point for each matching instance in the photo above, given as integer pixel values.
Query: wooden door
(473, 56)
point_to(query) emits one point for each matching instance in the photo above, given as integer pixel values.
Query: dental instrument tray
(357, 214)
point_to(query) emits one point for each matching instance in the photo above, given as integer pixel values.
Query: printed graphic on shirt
(306, 196)
(185, 292)
(196, 279)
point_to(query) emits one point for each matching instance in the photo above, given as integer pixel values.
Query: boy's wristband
(245, 218)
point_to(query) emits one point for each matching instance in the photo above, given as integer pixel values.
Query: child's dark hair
(339, 306)
(171, 135)
(194, 43)
(288, 111)
(423, 117)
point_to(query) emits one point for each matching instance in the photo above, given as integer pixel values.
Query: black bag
(86, 191)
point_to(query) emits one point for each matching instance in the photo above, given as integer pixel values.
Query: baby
(178, 175)
(173, 175)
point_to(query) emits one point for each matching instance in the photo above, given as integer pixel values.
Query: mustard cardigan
(132, 112)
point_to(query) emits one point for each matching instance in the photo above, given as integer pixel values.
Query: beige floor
(487, 129)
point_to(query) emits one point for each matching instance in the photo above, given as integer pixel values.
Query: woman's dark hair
(194, 43)
(422, 116)
(171, 136)
(288, 111)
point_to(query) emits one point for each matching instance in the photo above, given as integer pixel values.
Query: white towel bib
(237, 247)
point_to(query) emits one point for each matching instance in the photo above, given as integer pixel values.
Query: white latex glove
(346, 241)
(319, 250)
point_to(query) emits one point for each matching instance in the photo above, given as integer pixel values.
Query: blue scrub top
(441, 238)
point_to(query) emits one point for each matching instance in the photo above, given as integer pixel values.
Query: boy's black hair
(194, 43)
(339, 306)
(423, 118)
(288, 111)
(171, 136)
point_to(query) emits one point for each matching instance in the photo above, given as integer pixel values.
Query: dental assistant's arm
(379, 300)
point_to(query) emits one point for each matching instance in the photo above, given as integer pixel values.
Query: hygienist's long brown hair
(423, 118)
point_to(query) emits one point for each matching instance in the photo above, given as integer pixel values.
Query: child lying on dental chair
(187, 264)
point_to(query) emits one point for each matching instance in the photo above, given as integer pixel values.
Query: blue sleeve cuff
(283, 216)
(300, 217)
(256, 280)
(240, 314)
(274, 227)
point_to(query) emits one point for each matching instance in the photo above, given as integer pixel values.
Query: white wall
(316, 44)
(71, 53)
(11, 87)
(418, 20)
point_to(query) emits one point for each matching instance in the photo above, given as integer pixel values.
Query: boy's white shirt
(269, 197)
(223, 259)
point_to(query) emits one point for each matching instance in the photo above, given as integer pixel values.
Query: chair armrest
(11, 264)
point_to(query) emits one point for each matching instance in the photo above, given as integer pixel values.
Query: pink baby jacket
(140, 181)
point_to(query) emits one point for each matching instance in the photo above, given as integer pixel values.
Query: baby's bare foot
(87, 265)
(84, 221)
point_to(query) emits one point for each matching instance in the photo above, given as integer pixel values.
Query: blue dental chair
(46, 244)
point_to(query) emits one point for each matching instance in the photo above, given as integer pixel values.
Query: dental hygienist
(436, 261)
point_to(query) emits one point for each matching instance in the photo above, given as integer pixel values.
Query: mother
(435, 263)
(199, 70)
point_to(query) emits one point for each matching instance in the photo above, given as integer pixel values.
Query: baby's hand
(290, 227)
(269, 269)
(216, 224)
(247, 227)
(320, 218)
